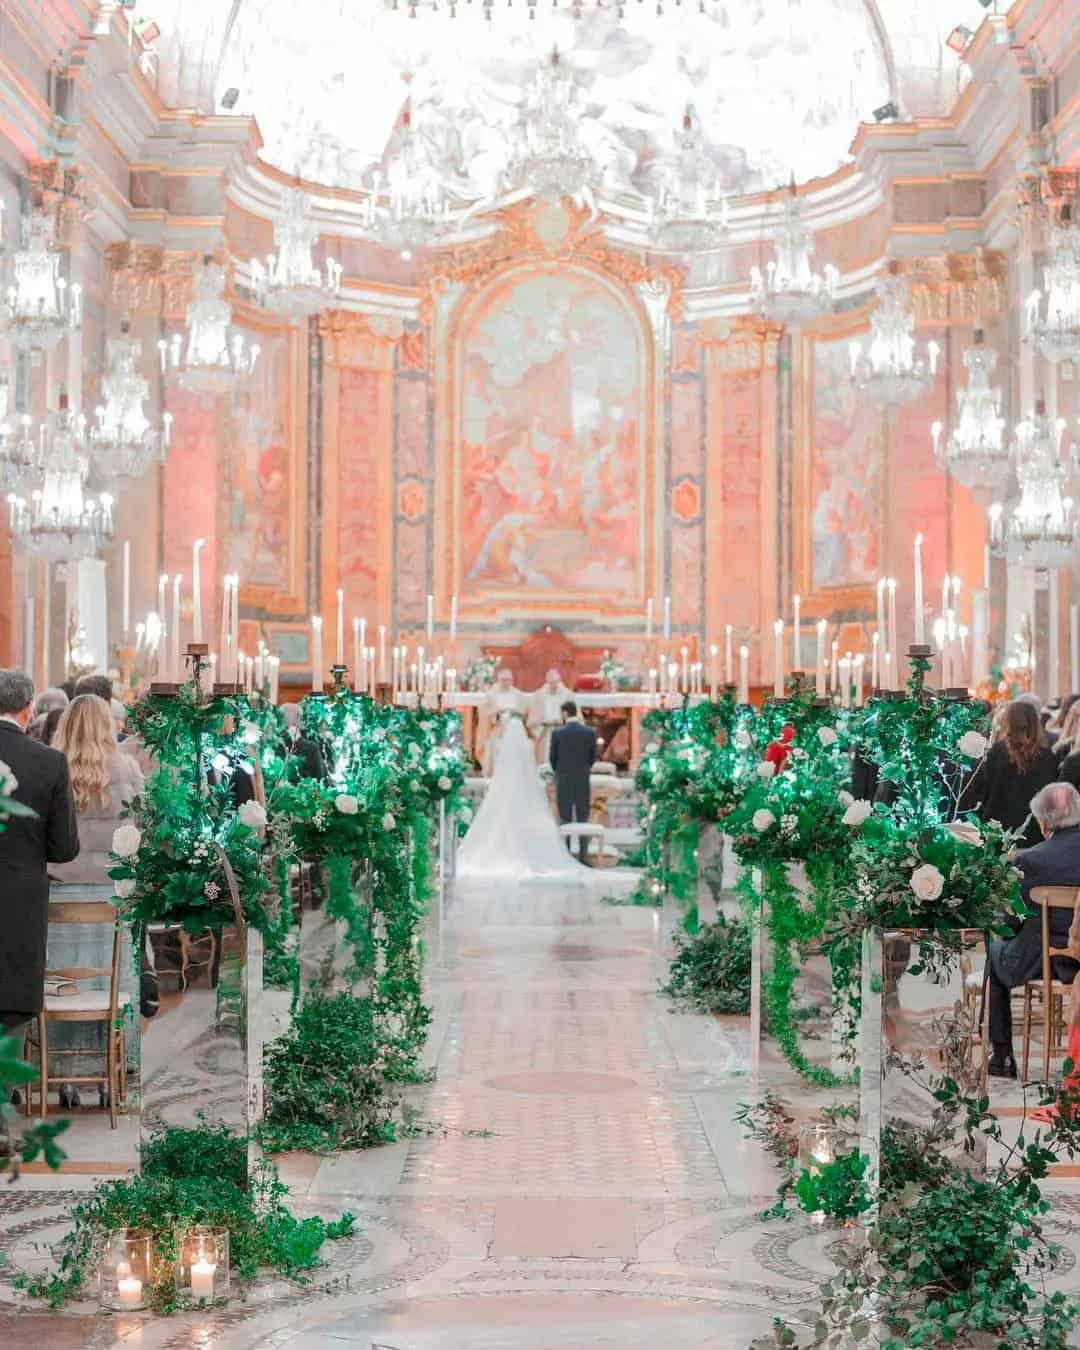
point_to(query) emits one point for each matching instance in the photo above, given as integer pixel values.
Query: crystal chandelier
(1055, 324)
(790, 292)
(122, 442)
(888, 368)
(685, 216)
(60, 522)
(213, 354)
(1043, 529)
(19, 459)
(550, 160)
(290, 282)
(411, 210)
(974, 451)
(38, 307)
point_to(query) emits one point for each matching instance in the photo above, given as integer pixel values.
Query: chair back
(91, 911)
(1049, 898)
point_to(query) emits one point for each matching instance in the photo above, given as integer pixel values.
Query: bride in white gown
(513, 836)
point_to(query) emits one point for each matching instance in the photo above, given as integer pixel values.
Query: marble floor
(581, 1183)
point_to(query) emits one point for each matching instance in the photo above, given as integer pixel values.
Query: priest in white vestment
(545, 712)
(502, 698)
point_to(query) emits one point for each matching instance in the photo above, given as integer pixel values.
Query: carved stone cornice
(359, 341)
(135, 277)
(1041, 199)
(741, 344)
(956, 287)
(60, 191)
(534, 231)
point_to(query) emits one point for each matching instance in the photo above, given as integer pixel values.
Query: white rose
(927, 882)
(766, 769)
(762, 820)
(126, 840)
(388, 821)
(124, 889)
(857, 812)
(253, 815)
(445, 784)
(972, 744)
(347, 804)
(844, 798)
(251, 733)
(742, 739)
(826, 736)
(652, 748)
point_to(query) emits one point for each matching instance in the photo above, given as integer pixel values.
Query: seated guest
(303, 756)
(49, 700)
(1068, 742)
(1015, 768)
(29, 845)
(100, 685)
(103, 781)
(1070, 768)
(1014, 961)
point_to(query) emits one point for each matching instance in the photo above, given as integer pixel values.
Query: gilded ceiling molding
(135, 277)
(741, 344)
(957, 287)
(59, 190)
(1040, 201)
(549, 233)
(360, 341)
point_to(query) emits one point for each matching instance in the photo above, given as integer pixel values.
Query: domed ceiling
(778, 86)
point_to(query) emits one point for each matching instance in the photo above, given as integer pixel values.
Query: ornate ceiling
(778, 85)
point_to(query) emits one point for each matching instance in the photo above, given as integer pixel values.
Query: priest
(545, 712)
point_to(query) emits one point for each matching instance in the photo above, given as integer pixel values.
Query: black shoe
(16, 1097)
(1001, 1066)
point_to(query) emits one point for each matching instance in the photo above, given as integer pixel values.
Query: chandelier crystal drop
(122, 443)
(688, 215)
(290, 282)
(1043, 529)
(37, 306)
(889, 367)
(409, 208)
(974, 452)
(56, 519)
(1053, 318)
(790, 292)
(212, 355)
(550, 159)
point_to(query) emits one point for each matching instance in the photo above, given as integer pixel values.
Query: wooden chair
(1052, 994)
(85, 1005)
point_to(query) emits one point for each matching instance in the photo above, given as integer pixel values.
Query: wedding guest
(48, 730)
(103, 780)
(100, 685)
(303, 757)
(49, 700)
(1068, 741)
(29, 845)
(1070, 769)
(1014, 961)
(1015, 768)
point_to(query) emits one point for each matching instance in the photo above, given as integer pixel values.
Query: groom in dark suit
(573, 753)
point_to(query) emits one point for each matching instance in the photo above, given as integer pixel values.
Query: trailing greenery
(190, 1178)
(326, 1080)
(39, 1140)
(710, 971)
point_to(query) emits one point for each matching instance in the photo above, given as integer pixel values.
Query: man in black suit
(27, 846)
(573, 753)
(1014, 961)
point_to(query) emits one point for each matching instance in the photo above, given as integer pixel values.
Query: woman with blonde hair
(103, 779)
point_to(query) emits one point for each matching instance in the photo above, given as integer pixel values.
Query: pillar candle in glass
(744, 674)
(778, 659)
(196, 591)
(316, 653)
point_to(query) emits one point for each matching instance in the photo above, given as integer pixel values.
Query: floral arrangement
(480, 673)
(613, 672)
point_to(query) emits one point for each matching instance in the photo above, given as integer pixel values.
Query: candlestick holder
(202, 1269)
(337, 674)
(227, 689)
(125, 1270)
(165, 689)
(197, 656)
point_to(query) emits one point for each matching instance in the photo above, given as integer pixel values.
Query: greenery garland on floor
(711, 969)
(190, 1178)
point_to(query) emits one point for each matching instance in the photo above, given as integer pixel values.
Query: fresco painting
(551, 440)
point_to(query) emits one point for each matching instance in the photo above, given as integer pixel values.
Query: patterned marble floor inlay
(581, 1183)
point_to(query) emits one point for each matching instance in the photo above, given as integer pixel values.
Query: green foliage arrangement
(190, 1178)
(836, 1189)
(326, 1080)
(710, 971)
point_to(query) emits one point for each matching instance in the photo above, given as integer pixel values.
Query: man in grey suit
(1014, 961)
(573, 753)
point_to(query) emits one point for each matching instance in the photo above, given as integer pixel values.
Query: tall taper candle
(820, 686)
(339, 651)
(453, 618)
(882, 583)
(729, 668)
(382, 653)
(875, 659)
(778, 659)
(796, 635)
(892, 674)
(162, 604)
(358, 680)
(235, 618)
(713, 653)
(127, 590)
(316, 654)
(175, 664)
(744, 674)
(920, 617)
(667, 618)
(834, 673)
(196, 591)
(223, 642)
(648, 619)
(430, 620)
